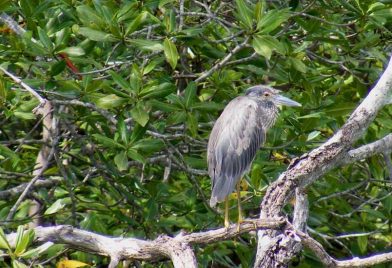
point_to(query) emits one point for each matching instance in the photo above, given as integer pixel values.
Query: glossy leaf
(140, 115)
(96, 35)
(272, 19)
(244, 13)
(171, 53)
(57, 206)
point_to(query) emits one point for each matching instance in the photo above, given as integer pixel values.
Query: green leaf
(166, 107)
(190, 94)
(259, 10)
(25, 115)
(107, 142)
(362, 243)
(208, 106)
(171, 53)
(3, 241)
(164, 2)
(244, 13)
(36, 252)
(5, 151)
(73, 51)
(122, 130)
(192, 124)
(121, 161)
(57, 68)
(161, 90)
(96, 35)
(312, 135)
(149, 67)
(89, 16)
(298, 65)
(4, 4)
(147, 44)
(45, 40)
(23, 241)
(120, 80)
(265, 44)
(170, 21)
(58, 205)
(110, 101)
(18, 264)
(137, 133)
(139, 114)
(139, 20)
(272, 19)
(135, 155)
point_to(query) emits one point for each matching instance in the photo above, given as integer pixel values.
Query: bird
(236, 137)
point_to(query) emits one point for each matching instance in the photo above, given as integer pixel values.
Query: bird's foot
(227, 223)
(240, 220)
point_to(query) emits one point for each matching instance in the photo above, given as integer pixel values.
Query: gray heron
(235, 138)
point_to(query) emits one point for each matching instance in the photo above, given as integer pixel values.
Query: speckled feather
(235, 138)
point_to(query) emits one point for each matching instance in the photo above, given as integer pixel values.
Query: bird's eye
(266, 94)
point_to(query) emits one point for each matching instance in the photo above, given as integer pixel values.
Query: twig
(181, 15)
(12, 24)
(323, 20)
(24, 85)
(103, 112)
(388, 163)
(222, 63)
(40, 183)
(30, 185)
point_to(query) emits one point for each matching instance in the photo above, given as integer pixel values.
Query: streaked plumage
(238, 134)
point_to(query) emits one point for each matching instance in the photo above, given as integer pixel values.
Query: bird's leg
(227, 223)
(239, 205)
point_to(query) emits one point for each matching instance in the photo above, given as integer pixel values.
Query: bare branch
(317, 249)
(24, 85)
(366, 262)
(222, 63)
(301, 210)
(103, 112)
(328, 261)
(12, 192)
(383, 145)
(308, 168)
(176, 248)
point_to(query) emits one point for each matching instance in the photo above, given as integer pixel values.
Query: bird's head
(269, 94)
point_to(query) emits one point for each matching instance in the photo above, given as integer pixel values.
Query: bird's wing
(234, 141)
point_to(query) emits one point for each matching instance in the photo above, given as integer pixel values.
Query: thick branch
(383, 145)
(366, 262)
(41, 183)
(328, 261)
(176, 248)
(312, 166)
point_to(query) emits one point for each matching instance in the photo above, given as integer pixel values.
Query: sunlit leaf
(147, 44)
(265, 45)
(96, 35)
(58, 205)
(244, 13)
(121, 161)
(110, 101)
(272, 19)
(171, 53)
(139, 114)
(71, 264)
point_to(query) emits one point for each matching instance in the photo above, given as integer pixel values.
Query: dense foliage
(149, 79)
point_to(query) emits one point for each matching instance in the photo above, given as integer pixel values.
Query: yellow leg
(227, 223)
(239, 202)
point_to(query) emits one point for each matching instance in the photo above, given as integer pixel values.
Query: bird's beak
(286, 101)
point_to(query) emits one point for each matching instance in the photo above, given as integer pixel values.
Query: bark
(272, 250)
